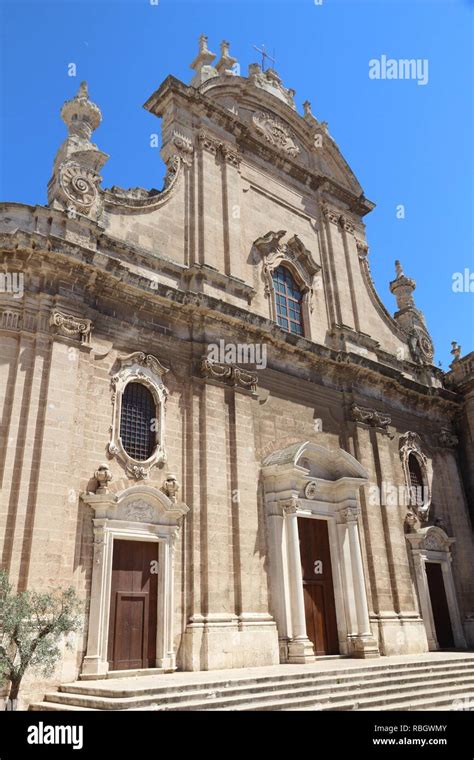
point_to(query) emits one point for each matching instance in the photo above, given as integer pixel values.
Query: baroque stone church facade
(215, 513)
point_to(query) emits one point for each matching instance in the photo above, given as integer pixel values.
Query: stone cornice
(105, 245)
(117, 280)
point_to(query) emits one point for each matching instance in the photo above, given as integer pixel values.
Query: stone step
(319, 678)
(229, 697)
(127, 674)
(324, 701)
(419, 699)
(316, 683)
(358, 686)
(56, 707)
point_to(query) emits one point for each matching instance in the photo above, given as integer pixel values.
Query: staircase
(423, 683)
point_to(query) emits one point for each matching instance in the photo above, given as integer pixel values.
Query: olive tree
(32, 627)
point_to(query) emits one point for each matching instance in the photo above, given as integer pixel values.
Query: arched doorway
(316, 572)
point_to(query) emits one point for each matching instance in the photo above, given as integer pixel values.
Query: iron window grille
(138, 414)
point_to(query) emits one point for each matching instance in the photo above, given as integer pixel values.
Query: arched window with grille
(288, 301)
(137, 421)
(416, 481)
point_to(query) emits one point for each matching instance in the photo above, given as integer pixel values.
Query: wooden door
(439, 605)
(318, 589)
(133, 606)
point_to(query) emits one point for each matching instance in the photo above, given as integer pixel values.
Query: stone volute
(74, 185)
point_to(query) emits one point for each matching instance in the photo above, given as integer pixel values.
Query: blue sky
(407, 143)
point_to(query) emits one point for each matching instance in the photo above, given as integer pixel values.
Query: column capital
(289, 506)
(348, 515)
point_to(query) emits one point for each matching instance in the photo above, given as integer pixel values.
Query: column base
(92, 665)
(363, 647)
(300, 651)
(214, 642)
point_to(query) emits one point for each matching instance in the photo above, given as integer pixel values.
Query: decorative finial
(411, 319)
(307, 108)
(402, 287)
(226, 63)
(456, 351)
(74, 184)
(201, 63)
(103, 477)
(171, 486)
(83, 91)
(81, 115)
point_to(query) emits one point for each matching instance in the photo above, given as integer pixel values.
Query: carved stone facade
(133, 286)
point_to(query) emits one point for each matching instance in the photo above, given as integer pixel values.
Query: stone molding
(432, 544)
(140, 513)
(148, 370)
(286, 473)
(117, 282)
(410, 444)
(218, 148)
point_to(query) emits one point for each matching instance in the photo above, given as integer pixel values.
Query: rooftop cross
(265, 55)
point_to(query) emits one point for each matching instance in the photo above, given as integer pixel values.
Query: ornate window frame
(298, 261)
(410, 445)
(142, 368)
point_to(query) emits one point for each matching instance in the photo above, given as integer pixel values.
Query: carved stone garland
(145, 369)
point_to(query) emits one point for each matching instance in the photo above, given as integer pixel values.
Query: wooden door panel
(318, 590)
(131, 631)
(133, 606)
(315, 613)
(439, 605)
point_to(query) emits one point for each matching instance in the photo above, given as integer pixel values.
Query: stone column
(300, 647)
(210, 633)
(458, 633)
(95, 660)
(278, 577)
(363, 643)
(346, 574)
(424, 596)
(350, 256)
(169, 547)
(209, 205)
(374, 532)
(332, 279)
(231, 205)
